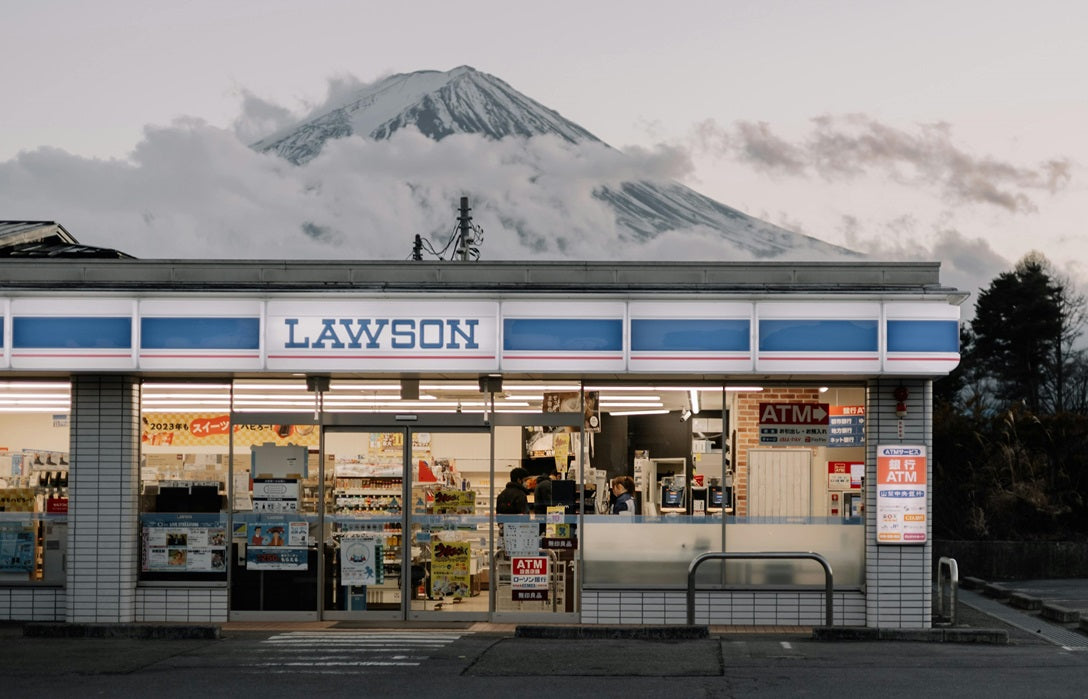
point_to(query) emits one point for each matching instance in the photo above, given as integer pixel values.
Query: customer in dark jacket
(542, 495)
(514, 500)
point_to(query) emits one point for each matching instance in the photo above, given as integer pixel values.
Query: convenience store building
(203, 441)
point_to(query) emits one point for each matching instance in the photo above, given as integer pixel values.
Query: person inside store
(514, 499)
(542, 495)
(623, 488)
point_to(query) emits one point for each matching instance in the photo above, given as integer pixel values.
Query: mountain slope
(465, 100)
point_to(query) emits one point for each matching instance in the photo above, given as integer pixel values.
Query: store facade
(204, 441)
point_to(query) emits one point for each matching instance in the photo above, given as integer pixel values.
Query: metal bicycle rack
(953, 587)
(770, 555)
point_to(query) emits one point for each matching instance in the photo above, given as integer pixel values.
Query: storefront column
(103, 487)
(898, 578)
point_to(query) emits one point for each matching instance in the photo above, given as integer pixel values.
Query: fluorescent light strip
(639, 412)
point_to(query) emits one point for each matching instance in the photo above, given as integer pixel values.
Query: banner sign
(901, 494)
(793, 424)
(529, 578)
(213, 429)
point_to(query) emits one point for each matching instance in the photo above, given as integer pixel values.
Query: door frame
(436, 422)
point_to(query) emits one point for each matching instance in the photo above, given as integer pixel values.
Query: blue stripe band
(562, 334)
(923, 336)
(691, 335)
(818, 336)
(200, 333)
(33, 332)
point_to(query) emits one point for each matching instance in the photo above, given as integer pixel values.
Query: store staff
(623, 487)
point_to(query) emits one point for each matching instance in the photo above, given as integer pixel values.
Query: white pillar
(103, 487)
(898, 578)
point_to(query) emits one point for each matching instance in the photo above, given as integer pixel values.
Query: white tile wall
(898, 579)
(180, 604)
(102, 510)
(721, 608)
(32, 603)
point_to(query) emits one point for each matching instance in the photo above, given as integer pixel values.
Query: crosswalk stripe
(309, 651)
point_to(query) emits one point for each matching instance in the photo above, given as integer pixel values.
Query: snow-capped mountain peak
(462, 100)
(467, 101)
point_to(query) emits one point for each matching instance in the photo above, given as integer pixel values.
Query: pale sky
(948, 131)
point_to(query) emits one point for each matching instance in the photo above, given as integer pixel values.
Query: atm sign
(793, 413)
(529, 578)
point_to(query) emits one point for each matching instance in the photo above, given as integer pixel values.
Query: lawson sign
(393, 335)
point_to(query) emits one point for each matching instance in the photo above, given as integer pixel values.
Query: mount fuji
(468, 101)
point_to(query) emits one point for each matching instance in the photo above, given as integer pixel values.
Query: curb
(172, 632)
(1060, 614)
(1021, 600)
(644, 633)
(935, 635)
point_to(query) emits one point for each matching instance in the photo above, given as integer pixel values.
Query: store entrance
(407, 522)
(392, 517)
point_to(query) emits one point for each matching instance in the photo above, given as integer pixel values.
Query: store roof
(595, 278)
(47, 239)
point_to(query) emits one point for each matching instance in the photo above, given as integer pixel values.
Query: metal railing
(769, 555)
(953, 587)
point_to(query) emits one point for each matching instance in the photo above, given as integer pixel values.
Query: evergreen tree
(1024, 328)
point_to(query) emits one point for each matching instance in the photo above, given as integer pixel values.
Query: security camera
(684, 415)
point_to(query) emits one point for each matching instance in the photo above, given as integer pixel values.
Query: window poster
(275, 494)
(521, 538)
(276, 558)
(901, 494)
(184, 543)
(16, 548)
(450, 569)
(361, 559)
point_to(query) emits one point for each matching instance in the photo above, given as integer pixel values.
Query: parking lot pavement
(1071, 593)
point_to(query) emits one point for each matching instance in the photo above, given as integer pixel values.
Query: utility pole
(464, 234)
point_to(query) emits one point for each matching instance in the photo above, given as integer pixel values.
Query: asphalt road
(445, 663)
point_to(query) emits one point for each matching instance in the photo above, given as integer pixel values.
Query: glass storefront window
(714, 471)
(184, 467)
(34, 474)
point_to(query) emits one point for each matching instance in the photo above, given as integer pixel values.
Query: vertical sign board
(793, 424)
(901, 494)
(529, 578)
(847, 426)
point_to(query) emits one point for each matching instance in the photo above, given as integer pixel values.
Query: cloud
(856, 146)
(260, 117)
(192, 190)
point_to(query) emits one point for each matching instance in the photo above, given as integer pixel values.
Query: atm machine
(664, 482)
